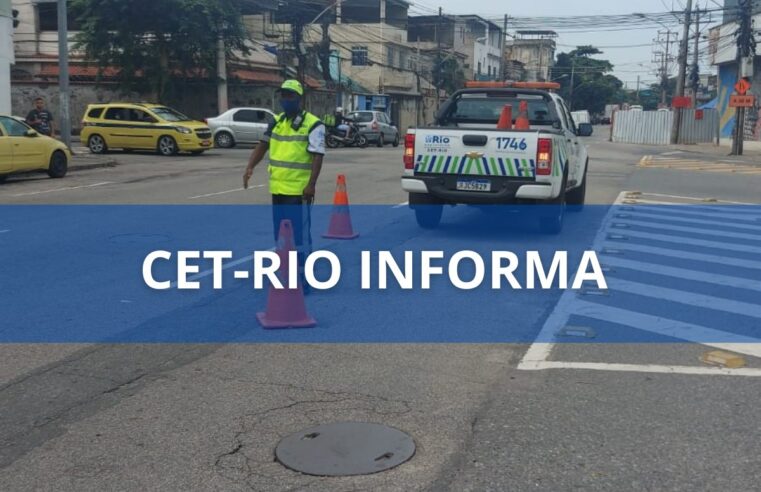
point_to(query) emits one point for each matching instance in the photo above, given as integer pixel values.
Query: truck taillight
(544, 157)
(409, 151)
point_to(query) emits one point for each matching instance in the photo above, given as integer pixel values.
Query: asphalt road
(484, 416)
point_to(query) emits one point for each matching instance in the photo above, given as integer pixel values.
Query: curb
(94, 165)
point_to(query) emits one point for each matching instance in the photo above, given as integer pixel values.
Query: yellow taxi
(132, 126)
(23, 149)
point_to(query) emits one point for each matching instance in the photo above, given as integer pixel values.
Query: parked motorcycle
(335, 138)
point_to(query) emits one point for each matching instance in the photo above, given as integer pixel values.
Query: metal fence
(642, 127)
(654, 127)
(693, 130)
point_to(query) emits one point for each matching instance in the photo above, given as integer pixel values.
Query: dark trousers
(299, 212)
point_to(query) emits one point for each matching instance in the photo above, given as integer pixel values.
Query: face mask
(290, 106)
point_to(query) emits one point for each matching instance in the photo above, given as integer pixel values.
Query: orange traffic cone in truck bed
(506, 118)
(522, 122)
(340, 221)
(285, 307)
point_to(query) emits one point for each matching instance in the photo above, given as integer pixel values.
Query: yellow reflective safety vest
(290, 164)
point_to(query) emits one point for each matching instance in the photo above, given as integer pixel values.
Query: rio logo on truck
(437, 144)
(436, 139)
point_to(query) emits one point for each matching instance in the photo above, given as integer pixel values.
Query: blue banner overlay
(674, 273)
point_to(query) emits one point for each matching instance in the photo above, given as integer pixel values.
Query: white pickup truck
(465, 159)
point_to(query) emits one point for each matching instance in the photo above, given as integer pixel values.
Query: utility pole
(503, 68)
(438, 60)
(573, 73)
(663, 58)
(746, 49)
(695, 74)
(222, 101)
(680, 81)
(63, 73)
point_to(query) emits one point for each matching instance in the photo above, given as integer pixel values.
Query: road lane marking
(224, 192)
(400, 205)
(643, 368)
(685, 297)
(683, 273)
(538, 354)
(686, 240)
(68, 188)
(695, 230)
(686, 164)
(750, 225)
(687, 255)
(681, 330)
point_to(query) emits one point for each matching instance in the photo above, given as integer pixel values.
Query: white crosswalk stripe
(696, 279)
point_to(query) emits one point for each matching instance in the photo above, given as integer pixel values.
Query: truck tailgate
(476, 152)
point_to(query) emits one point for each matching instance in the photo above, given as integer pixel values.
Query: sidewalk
(708, 152)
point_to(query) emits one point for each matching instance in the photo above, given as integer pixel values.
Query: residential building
(372, 65)
(723, 52)
(475, 40)
(252, 78)
(535, 51)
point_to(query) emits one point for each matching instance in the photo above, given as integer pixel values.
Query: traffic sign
(742, 86)
(681, 102)
(741, 101)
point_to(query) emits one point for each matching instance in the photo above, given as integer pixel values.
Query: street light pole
(63, 73)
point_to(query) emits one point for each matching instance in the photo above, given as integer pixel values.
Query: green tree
(593, 85)
(157, 45)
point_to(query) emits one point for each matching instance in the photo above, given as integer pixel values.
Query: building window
(48, 17)
(359, 56)
(390, 56)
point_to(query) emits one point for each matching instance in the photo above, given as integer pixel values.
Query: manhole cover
(138, 238)
(347, 448)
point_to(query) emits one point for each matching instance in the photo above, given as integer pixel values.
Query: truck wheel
(577, 196)
(552, 215)
(429, 216)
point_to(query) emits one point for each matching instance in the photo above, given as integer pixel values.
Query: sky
(629, 61)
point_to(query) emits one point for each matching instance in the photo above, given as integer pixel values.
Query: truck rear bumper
(504, 190)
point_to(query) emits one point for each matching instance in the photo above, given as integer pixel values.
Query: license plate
(474, 185)
(205, 143)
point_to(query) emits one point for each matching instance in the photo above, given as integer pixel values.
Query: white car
(240, 125)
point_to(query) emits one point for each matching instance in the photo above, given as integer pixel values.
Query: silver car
(376, 126)
(240, 125)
